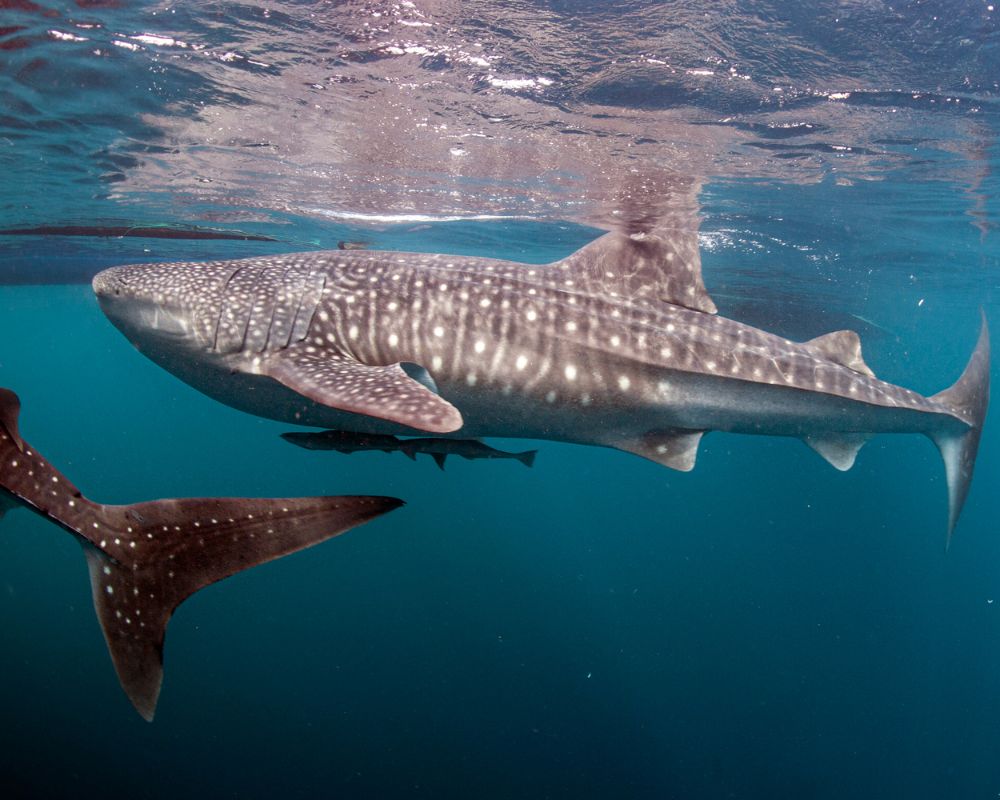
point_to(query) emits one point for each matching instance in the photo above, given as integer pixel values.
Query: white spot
(585, 399)
(570, 326)
(522, 362)
(471, 379)
(624, 383)
(353, 332)
(438, 331)
(484, 302)
(436, 362)
(570, 372)
(480, 346)
(550, 397)
(109, 589)
(615, 341)
(531, 315)
(393, 340)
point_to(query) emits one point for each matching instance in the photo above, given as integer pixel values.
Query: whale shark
(146, 558)
(619, 345)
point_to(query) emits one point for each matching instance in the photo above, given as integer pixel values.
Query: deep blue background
(596, 626)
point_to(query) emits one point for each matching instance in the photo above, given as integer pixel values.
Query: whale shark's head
(164, 309)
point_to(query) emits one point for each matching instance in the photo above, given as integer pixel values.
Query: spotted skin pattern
(616, 345)
(146, 558)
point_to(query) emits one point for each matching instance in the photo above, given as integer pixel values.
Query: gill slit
(222, 307)
(250, 306)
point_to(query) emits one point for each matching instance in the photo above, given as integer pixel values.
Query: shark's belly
(624, 401)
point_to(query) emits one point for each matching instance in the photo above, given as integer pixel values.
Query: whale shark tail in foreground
(969, 397)
(146, 558)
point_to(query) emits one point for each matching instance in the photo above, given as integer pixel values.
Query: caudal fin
(527, 457)
(968, 399)
(145, 559)
(154, 555)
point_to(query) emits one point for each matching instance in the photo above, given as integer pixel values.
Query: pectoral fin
(340, 382)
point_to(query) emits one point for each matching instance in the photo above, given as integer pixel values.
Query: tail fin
(968, 398)
(154, 555)
(527, 457)
(145, 559)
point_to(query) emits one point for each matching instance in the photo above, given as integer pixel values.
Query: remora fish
(616, 345)
(438, 448)
(146, 558)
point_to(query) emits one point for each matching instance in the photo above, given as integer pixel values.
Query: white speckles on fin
(385, 392)
(664, 267)
(674, 448)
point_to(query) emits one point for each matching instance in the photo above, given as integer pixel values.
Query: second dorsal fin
(841, 347)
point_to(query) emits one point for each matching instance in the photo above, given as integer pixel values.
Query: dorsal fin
(664, 266)
(841, 347)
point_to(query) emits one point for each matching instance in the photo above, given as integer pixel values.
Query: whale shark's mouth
(134, 314)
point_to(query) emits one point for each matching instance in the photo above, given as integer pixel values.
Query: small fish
(146, 558)
(342, 245)
(439, 449)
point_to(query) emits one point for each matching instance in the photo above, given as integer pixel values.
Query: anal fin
(676, 448)
(340, 382)
(839, 449)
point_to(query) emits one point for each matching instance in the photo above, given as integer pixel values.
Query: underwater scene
(594, 336)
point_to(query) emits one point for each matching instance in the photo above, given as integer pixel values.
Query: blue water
(596, 626)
